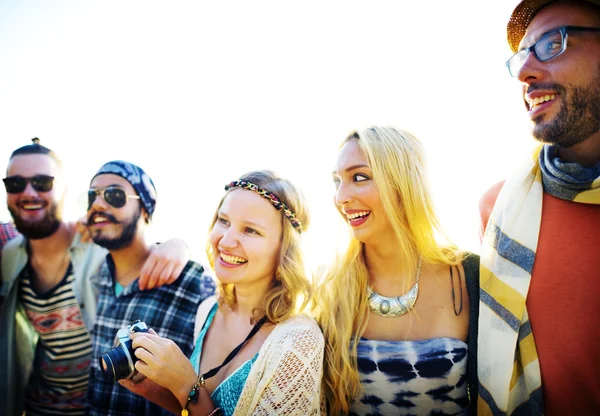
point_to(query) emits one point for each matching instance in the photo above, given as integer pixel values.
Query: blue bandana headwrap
(136, 176)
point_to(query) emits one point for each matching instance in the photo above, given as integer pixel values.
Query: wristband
(193, 396)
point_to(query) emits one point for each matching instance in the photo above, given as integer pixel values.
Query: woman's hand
(165, 264)
(157, 394)
(162, 361)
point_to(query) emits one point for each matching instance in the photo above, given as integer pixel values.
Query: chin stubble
(578, 118)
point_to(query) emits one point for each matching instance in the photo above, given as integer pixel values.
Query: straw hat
(521, 17)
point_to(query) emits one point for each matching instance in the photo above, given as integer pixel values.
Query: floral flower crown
(279, 206)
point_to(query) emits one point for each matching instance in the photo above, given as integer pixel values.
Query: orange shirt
(564, 303)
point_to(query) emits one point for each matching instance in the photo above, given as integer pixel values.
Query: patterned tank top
(59, 381)
(425, 377)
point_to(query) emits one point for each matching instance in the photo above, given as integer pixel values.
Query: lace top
(285, 377)
(227, 393)
(412, 377)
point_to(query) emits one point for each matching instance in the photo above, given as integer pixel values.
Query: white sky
(197, 93)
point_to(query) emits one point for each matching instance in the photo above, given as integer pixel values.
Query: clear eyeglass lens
(516, 62)
(549, 45)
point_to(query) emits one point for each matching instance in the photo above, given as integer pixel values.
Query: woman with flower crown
(399, 308)
(255, 353)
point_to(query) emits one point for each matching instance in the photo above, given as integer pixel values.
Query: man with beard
(122, 198)
(48, 283)
(538, 338)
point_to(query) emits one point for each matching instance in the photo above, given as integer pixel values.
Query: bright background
(197, 93)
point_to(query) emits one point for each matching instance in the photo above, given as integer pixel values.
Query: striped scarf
(507, 257)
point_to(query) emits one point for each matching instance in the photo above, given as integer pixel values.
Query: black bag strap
(235, 351)
(471, 267)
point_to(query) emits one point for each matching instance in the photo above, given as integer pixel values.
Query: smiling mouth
(357, 216)
(97, 219)
(233, 259)
(540, 100)
(31, 206)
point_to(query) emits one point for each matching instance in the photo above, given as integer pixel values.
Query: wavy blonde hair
(397, 161)
(290, 291)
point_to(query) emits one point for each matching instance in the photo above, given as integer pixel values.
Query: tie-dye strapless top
(427, 377)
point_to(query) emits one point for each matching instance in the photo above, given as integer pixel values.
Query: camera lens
(117, 363)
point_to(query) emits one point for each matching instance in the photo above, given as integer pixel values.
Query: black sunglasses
(114, 196)
(17, 184)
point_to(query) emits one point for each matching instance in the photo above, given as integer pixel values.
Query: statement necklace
(394, 306)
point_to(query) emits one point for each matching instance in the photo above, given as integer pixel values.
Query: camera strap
(236, 350)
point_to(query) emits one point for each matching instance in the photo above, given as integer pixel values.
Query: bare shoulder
(486, 205)
(444, 306)
(488, 199)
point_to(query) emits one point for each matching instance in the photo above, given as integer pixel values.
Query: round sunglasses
(114, 196)
(17, 184)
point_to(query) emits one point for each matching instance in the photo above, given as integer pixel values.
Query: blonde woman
(398, 308)
(254, 353)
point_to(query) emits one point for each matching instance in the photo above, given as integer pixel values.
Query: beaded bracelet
(193, 397)
(216, 412)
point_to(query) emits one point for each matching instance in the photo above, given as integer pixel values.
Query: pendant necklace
(397, 305)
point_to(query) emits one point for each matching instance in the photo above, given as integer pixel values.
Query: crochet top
(285, 376)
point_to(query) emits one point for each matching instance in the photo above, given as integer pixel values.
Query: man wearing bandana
(122, 198)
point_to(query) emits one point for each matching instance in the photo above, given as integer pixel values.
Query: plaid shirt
(7, 233)
(170, 310)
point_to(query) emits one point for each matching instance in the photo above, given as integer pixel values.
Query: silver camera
(119, 362)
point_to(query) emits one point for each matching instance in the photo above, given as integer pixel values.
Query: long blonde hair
(290, 291)
(396, 159)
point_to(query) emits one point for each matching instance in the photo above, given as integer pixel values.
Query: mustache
(103, 214)
(545, 86)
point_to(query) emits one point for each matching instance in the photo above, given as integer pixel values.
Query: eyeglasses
(547, 47)
(17, 184)
(114, 196)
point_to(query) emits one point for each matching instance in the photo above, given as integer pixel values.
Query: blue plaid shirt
(170, 310)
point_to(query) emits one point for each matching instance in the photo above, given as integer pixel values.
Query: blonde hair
(397, 161)
(291, 291)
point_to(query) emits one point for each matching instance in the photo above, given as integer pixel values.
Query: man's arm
(486, 205)
(163, 266)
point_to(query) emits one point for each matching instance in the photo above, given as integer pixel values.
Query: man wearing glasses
(49, 291)
(121, 201)
(538, 323)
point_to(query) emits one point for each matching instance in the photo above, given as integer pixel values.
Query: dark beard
(578, 118)
(126, 237)
(39, 229)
